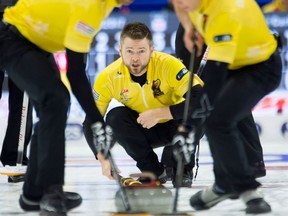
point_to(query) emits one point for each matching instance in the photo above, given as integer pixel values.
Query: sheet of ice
(83, 175)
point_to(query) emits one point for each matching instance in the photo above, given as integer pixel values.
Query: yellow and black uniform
(240, 38)
(247, 127)
(243, 66)
(53, 26)
(29, 33)
(166, 83)
(163, 85)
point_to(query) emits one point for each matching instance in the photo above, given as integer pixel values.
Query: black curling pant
(33, 70)
(249, 135)
(239, 94)
(9, 150)
(247, 128)
(139, 142)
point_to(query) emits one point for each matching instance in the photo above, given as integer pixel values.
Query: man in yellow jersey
(247, 127)
(243, 66)
(29, 33)
(152, 86)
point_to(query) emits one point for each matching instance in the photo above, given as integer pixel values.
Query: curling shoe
(16, 179)
(187, 178)
(57, 201)
(207, 198)
(169, 173)
(255, 203)
(161, 176)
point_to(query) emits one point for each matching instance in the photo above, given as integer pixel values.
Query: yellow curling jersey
(54, 25)
(235, 31)
(167, 82)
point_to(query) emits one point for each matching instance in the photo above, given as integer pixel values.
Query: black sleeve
(80, 85)
(177, 110)
(89, 136)
(180, 50)
(214, 75)
(183, 54)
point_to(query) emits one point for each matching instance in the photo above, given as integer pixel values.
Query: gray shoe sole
(197, 203)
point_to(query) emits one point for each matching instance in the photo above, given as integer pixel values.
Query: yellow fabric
(244, 36)
(65, 80)
(115, 82)
(54, 25)
(274, 6)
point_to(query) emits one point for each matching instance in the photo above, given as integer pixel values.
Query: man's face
(187, 5)
(136, 55)
(125, 2)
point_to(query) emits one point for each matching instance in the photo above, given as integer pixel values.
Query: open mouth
(135, 65)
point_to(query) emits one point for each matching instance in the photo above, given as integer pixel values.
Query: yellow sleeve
(102, 92)
(80, 32)
(178, 76)
(222, 39)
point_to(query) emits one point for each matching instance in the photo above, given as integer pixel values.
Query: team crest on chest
(156, 88)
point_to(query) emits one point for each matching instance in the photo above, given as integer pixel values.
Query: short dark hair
(136, 31)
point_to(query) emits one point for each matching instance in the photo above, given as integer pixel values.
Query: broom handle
(122, 191)
(22, 131)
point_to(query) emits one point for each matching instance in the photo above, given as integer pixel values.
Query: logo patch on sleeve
(226, 37)
(181, 73)
(84, 28)
(96, 95)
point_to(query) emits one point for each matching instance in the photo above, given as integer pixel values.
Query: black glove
(183, 144)
(103, 138)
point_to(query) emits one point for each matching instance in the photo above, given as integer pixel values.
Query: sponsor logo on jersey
(156, 88)
(96, 95)
(221, 38)
(124, 95)
(84, 28)
(181, 73)
(119, 75)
